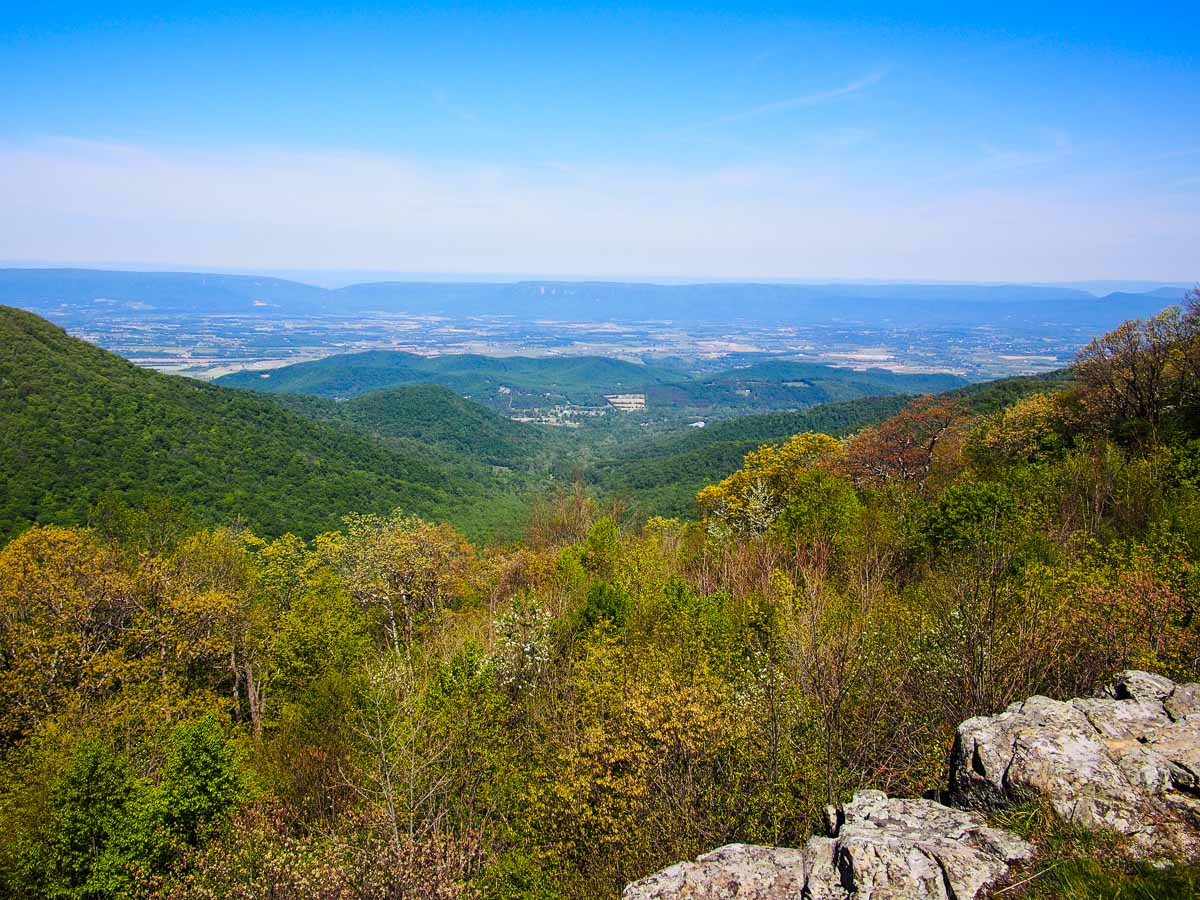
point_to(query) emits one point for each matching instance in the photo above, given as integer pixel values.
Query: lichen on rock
(1126, 761)
(877, 847)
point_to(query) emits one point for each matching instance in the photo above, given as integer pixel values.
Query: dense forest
(435, 415)
(371, 705)
(79, 421)
(661, 476)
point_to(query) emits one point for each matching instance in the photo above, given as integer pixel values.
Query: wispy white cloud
(263, 208)
(801, 101)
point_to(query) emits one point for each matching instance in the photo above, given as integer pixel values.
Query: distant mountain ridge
(897, 304)
(162, 291)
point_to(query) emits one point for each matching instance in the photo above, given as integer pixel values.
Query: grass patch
(1076, 864)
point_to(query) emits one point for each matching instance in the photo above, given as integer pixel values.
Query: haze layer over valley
(209, 325)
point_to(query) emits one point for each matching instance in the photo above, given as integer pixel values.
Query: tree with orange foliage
(903, 447)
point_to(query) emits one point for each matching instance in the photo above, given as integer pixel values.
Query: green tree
(970, 515)
(601, 547)
(822, 510)
(751, 499)
(200, 783)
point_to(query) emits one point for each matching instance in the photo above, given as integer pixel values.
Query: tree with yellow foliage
(223, 620)
(752, 498)
(66, 607)
(1021, 432)
(398, 567)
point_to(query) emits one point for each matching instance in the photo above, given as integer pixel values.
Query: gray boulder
(1126, 761)
(876, 848)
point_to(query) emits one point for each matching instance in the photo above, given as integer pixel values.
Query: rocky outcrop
(876, 847)
(1127, 761)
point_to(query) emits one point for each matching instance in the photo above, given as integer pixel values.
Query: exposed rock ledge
(877, 848)
(1126, 761)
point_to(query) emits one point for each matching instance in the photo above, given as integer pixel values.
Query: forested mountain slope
(392, 711)
(662, 476)
(791, 384)
(992, 396)
(435, 415)
(79, 421)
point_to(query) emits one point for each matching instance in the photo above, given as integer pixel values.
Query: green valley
(516, 384)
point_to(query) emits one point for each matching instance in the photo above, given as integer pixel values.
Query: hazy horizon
(336, 278)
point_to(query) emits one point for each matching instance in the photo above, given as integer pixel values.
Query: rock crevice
(1124, 761)
(880, 847)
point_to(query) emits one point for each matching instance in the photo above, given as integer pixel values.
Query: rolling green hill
(435, 415)
(788, 384)
(510, 382)
(78, 421)
(993, 396)
(516, 383)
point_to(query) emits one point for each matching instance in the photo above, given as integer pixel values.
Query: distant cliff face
(1127, 761)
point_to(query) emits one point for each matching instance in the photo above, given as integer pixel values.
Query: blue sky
(1012, 142)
